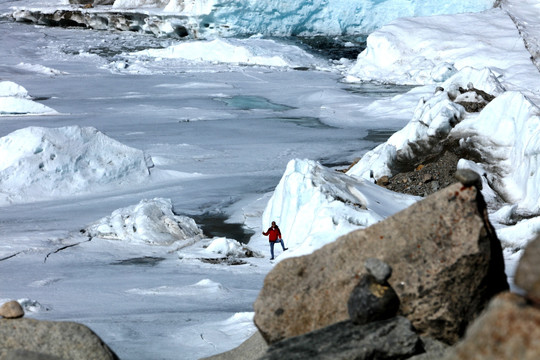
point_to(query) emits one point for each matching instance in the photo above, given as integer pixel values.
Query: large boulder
(387, 339)
(508, 330)
(63, 340)
(447, 263)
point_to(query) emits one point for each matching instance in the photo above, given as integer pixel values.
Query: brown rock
(527, 274)
(383, 181)
(447, 263)
(63, 340)
(508, 330)
(11, 310)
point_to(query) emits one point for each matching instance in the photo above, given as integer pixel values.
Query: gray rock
(11, 310)
(65, 340)
(433, 350)
(380, 270)
(447, 263)
(469, 178)
(527, 275)
(25, 355)
(371, 301)
(388, 339)
(251, 349)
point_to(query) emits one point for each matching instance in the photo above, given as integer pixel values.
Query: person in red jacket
(274, 235)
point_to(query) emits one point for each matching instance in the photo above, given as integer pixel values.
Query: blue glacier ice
(229, 18)
(304, 17)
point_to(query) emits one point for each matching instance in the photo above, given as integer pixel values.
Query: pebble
(11, 310)
(469, 178)
(380, 270)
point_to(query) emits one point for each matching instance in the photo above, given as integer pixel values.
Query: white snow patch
(40, 69)
(432, 121)
(507, 135)
(14, 100)
(203, 287)
(251, 51)
(440, 46)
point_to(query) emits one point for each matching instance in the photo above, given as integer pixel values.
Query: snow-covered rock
(38, 163)
(149, 222)
(507, 136)
(314, 205)
(14, 100)
(432, 121)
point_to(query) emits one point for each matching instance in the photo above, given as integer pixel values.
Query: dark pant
(272, 243)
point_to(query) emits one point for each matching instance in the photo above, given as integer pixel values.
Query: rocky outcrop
(447, 263)
(159, 25)
(51, 340)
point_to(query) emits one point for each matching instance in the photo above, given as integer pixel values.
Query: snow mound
(286, 18)
(205, 286)
(251, 51)
(149, 222)
(314, 205)
(38, 163)
(507, 136)
(14, 100)
(227, 247)
(34, 306)
(9, 88)
(432, 121)
(442, 46)
(40, 69)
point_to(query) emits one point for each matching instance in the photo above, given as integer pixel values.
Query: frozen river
(220, 137)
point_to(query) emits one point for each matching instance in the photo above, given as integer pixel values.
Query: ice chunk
(39, 163)
(149, 222)
(314, 205)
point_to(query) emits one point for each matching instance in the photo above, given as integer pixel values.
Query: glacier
(297, 18)
(226, 18)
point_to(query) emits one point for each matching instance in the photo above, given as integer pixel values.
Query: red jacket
(273, 234)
